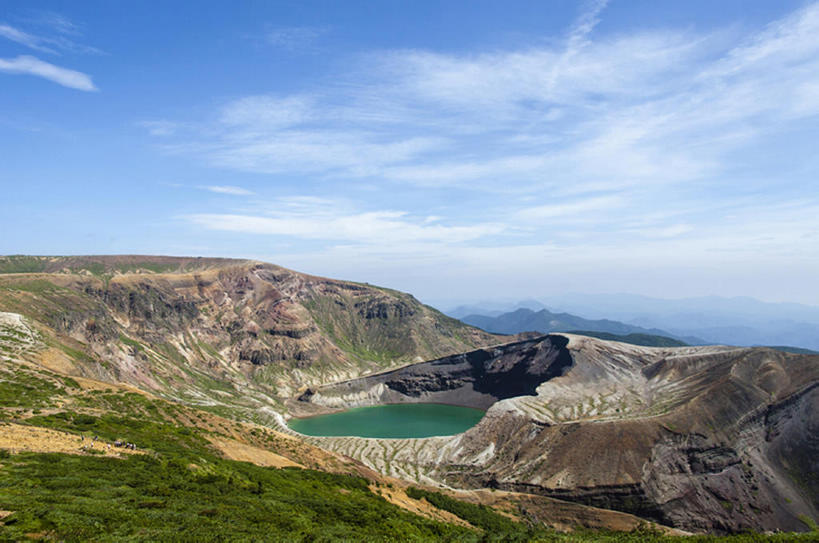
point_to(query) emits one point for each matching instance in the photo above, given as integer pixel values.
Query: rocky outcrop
(475, 379)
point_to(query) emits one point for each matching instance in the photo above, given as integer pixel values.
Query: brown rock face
(475, 379)
(252, 331)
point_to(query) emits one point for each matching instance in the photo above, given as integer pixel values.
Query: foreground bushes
(181, 491)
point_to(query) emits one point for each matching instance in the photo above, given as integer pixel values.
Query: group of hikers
(126, 444)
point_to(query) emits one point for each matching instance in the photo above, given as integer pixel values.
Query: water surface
(391, 421)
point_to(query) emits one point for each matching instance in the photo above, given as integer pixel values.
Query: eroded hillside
(218, 331)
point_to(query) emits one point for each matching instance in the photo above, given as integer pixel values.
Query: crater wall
(475, 379)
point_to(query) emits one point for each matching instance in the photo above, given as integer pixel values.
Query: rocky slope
(219, 331)
(702, 438)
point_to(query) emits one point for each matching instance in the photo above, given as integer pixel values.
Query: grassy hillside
(179, 488)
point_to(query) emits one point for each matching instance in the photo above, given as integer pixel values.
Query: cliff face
(219, 330)
(475, 379)
(703, 438)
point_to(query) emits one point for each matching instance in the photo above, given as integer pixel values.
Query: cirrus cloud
(25, 64)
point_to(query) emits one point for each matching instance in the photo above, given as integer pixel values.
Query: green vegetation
(479, 516)
(181, 490)
(137, 346)
(79, 498)
(35, 286)
(21, 387)
(646, 340)
(22, 264)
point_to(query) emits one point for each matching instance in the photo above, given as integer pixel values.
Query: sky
(459, 150)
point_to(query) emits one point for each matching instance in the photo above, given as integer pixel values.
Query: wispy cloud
(26, 64)
(57, 40)
(575, 208)
(23, 38)
(317, 219)
(294, 38)
(56, 22)
(226, 189)
(643, 108)
(620, 149)
(159, 128)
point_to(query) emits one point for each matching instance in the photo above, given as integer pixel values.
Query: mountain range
(704, 320)
(544, 321)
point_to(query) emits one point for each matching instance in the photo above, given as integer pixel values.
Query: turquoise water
(391, 421)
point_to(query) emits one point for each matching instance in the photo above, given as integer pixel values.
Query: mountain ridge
(186, 326)
(545, 321)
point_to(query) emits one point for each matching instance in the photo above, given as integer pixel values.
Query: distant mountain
(691, 312)
(526, 320)
(733, 321)
(493, 309)
(646, 340)
(792, 350)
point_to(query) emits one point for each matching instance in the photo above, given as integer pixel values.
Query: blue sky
(462, 151)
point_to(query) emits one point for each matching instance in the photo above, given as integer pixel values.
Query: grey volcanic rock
(475, 379)
(702, 438)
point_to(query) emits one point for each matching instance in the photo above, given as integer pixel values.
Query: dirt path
(18, 438)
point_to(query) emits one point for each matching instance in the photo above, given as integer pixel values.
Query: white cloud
(59, 26)
(267, 113)
(723, 256)
(631, 153)
(159, 128)
(319, 219)
(227, 189)
(571, 209)
(23, 38)
(651, 107)
(25, 64)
